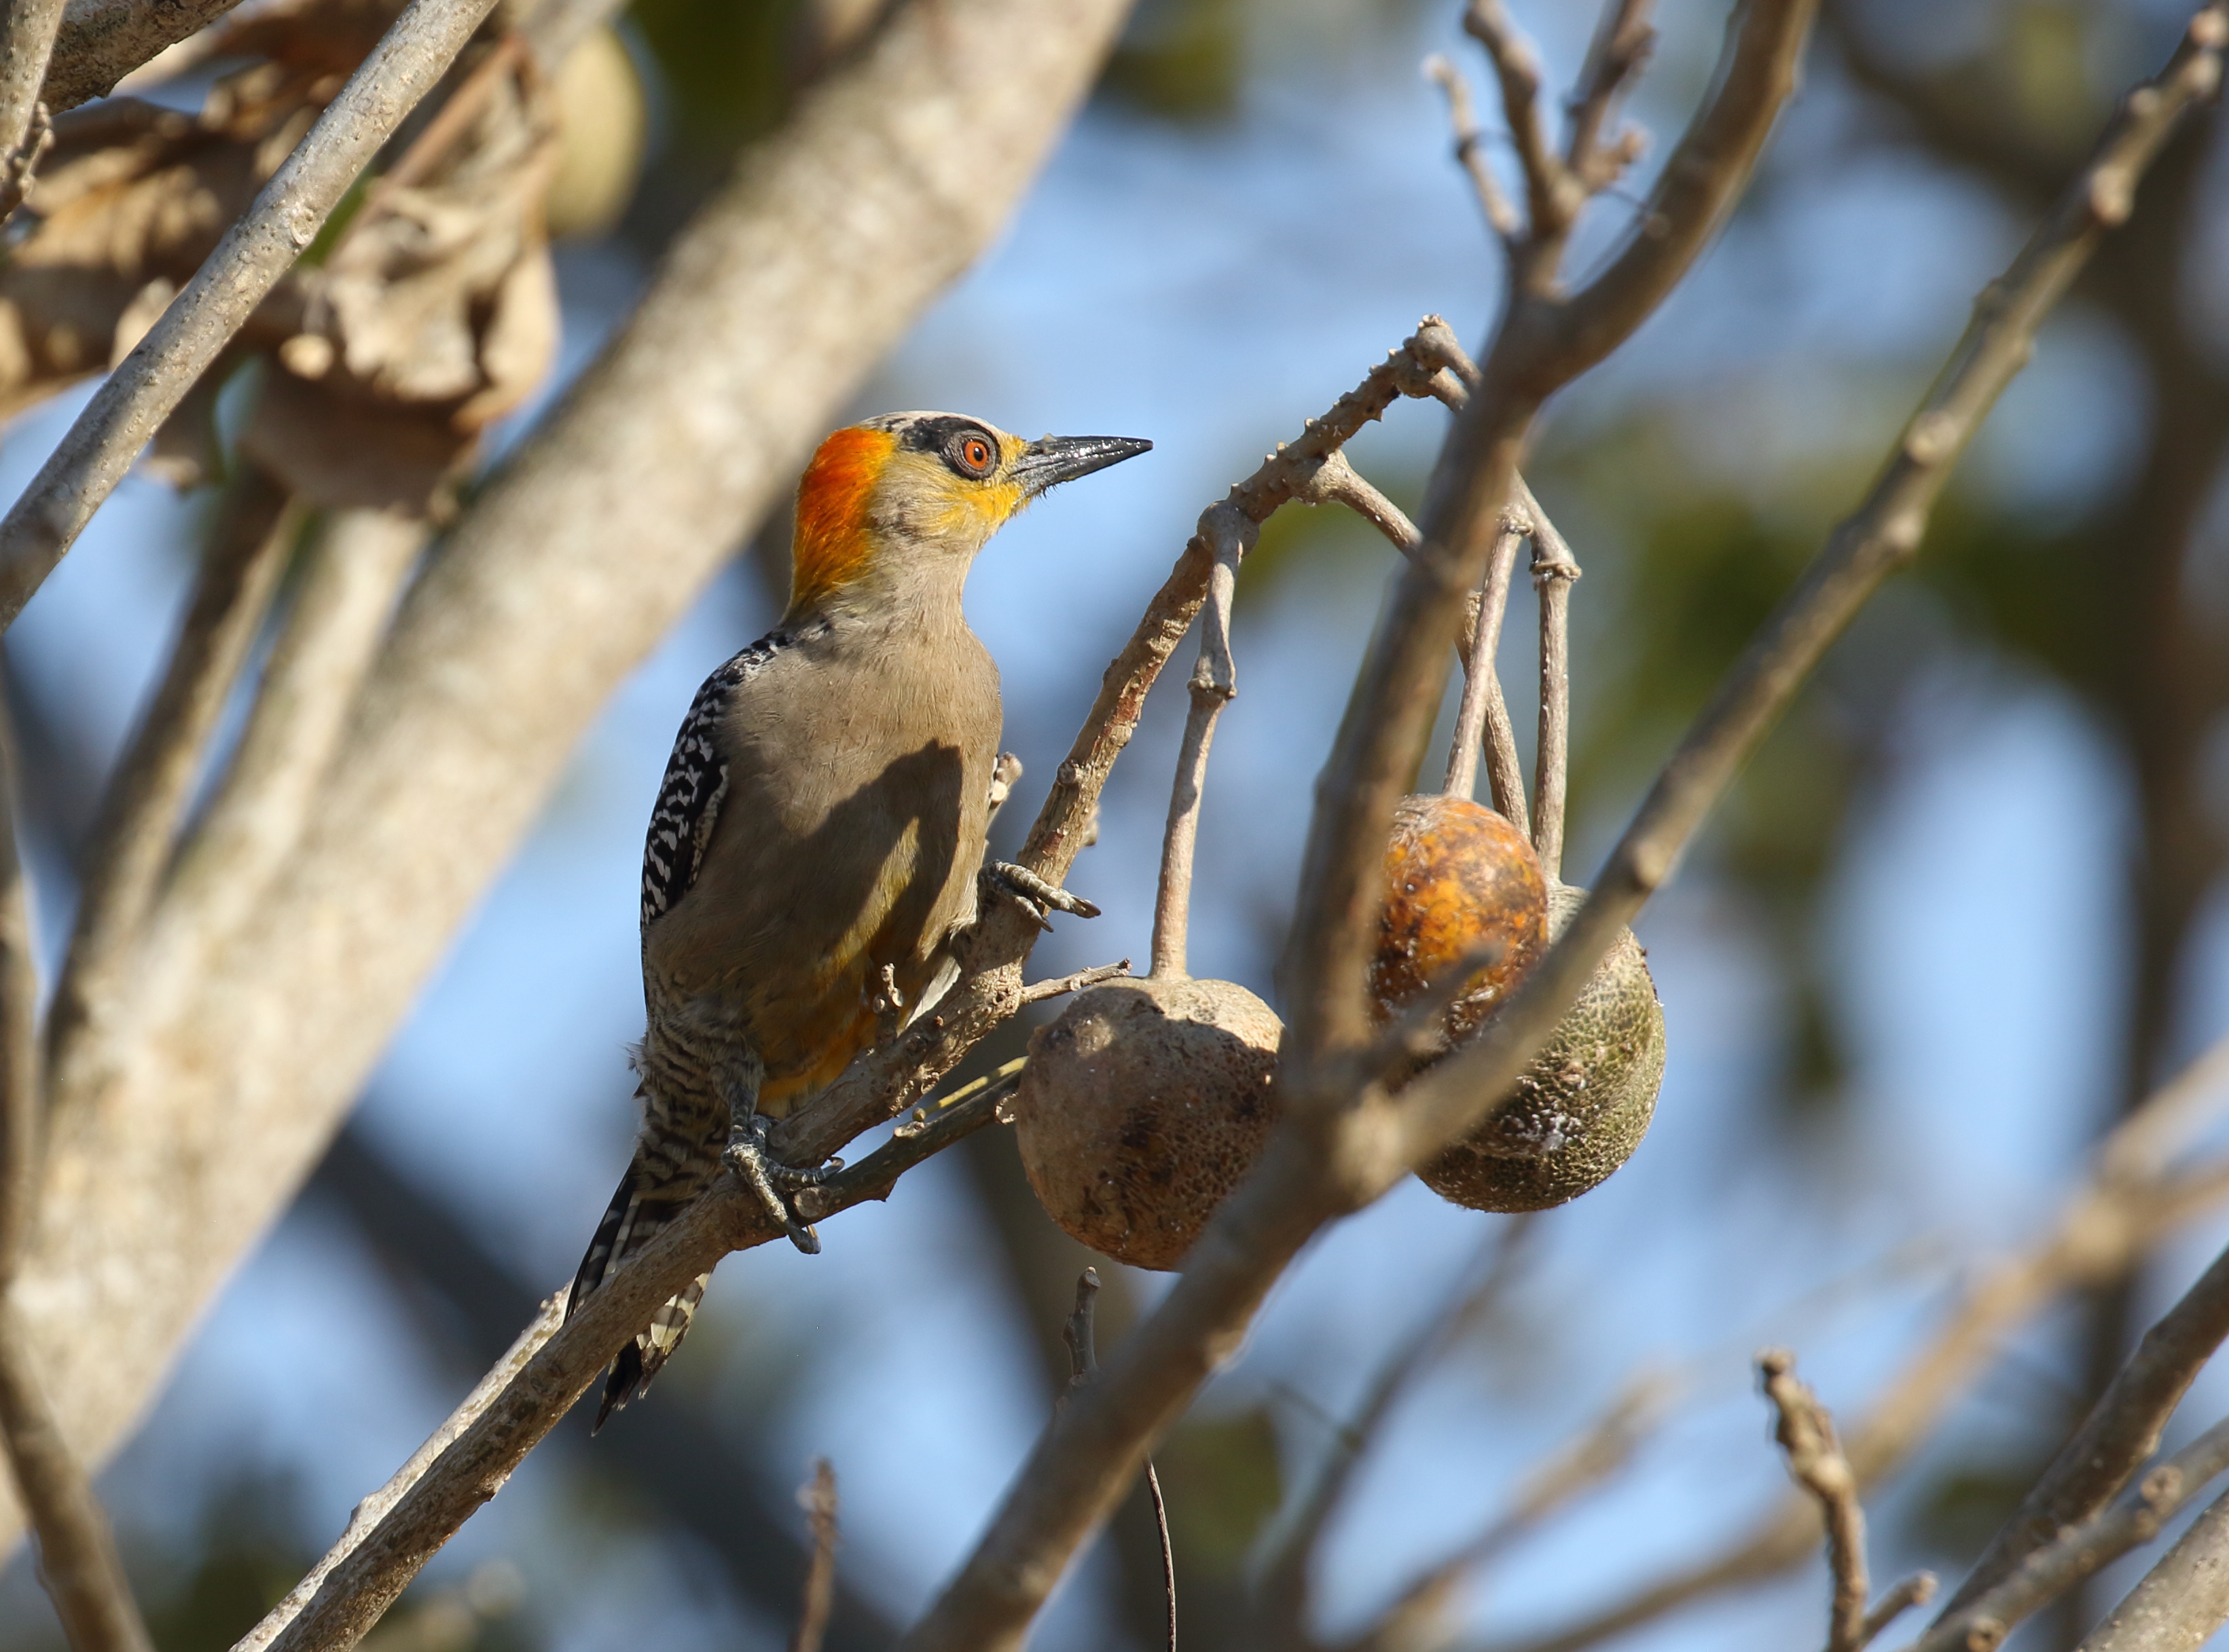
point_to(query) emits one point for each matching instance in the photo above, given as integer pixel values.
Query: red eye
(975, 455)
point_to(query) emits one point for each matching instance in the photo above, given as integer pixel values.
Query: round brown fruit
(1460, 879)
(1143, 1105)
(1583, 1106)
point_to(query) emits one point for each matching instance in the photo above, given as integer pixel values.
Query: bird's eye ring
(973, 454)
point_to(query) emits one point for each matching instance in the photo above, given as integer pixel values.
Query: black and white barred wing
(695, 781)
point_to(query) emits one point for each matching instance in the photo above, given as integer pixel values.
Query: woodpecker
(818, 839)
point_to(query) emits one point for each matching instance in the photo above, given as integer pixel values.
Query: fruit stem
(1214, 684)
(1483, 711)
(1554, 571)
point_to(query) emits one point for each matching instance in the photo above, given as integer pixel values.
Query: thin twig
(1168, 1549)
(1553, 194)
(2079, 1550)
(1288, 1546)
(78, 1561)
(1470, 147)
(1214, 685)
(817, 1495)
(1622, 41)
(1554, 572)
(255, 528)
(284, 218)
(1337, 482)
(1483, 716)
(1079, 1333)
(1061, 985)
(1806, 1433)
(1915, 1590)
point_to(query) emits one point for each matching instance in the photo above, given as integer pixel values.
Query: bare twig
(1553, 575)
(1915, 1590)
(1482, 718)
(255, 526)
(1470, 147)
(1337, 482)
(1622, 41)
(1168, 1549)
(1553, 194)
(1078, 1332)
(1060, 985)
(2078, 1551)
(286, 216)
(1288, 1546)
(78, 1560)
(817, 1495)
(1806, 1433)
(1214, 685)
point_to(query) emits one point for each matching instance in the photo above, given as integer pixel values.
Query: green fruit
(1582, 1107)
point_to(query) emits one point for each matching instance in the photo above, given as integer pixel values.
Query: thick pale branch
(20, 1102)
(2181, 1601)
(284, 219)
(27, 39)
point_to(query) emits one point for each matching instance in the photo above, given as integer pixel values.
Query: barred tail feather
(629, 1223)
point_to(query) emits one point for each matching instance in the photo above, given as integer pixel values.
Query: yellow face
(923, 484)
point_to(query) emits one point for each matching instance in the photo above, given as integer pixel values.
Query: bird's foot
(1033, 894)
(766, 1176)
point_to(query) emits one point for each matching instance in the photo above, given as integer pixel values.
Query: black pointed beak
(1052, 460)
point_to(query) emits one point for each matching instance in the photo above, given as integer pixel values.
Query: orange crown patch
(831, 547)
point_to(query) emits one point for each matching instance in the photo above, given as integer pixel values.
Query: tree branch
(1554, 572)
(100, 41)
(817, 1495)
(2179, 1604)
(284, 218)
(1214, 685)
(27, 39)
(1806, 1433)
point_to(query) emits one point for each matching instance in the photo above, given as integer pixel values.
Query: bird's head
(908, 498)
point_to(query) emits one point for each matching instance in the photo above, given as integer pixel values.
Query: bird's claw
(766, 1176)
(1033, 894)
